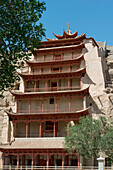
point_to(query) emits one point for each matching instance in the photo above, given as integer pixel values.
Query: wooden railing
(47, 89)
(51, 111)
(8, 167)
(60, 58)
(55, 72)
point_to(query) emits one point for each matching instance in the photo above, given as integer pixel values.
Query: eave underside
(48, 117)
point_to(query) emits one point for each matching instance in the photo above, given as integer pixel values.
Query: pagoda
(53, 96)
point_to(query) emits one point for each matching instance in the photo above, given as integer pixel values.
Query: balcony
(48, 89)
(52, 111)
(58, 58)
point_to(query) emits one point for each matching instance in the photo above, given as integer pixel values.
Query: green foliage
(20, 33)
(90, 137)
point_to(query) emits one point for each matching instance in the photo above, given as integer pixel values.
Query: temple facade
(57, 87)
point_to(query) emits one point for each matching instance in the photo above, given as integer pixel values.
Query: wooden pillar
(29, 129)
(42, 106)
(3, 160)
(35, 86)
(47, 162)
(18, 161)
(56, 105)
(40, 130)
(43, 57)
(56, 124)
(23, 160)
(69, 104)
(63, 161)
(68, 84)
(26, 129)
(46, 85)
(32, 162)
(13, 129)
(52, 57)
(54, 129)
(78, 160)
(29, 105)
(62, 56)
(67, 160)
(17, 105)
(57, 84)
(71, 55)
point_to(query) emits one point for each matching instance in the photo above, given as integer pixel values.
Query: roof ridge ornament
(69, 31)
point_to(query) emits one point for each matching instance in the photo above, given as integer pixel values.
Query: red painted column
(56, 124)
(29, 105)
(26, 129)
(17, 161)
(46, 84)
(47, 162)
(69, 104)
(57, 84)
(63, 161)
(72, 55)
(68, 84)
(56, 106)
(13, 129)
(3, 160)
(42, 106)
(40, 130)
(17, 106)
(54, 128)
(32, 162)
(35, 86)
(78, 160)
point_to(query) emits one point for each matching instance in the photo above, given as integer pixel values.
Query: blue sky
(95, 17)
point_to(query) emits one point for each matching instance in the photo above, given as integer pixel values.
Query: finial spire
(68, 26)
(69, 31)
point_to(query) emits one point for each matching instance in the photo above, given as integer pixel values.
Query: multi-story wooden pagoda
(53, 96)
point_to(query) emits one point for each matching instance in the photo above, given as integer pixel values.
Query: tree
(90, 137)
(20, 34)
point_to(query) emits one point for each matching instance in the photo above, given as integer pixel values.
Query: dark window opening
(56, 69)
(51, 101)
(49, 125)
